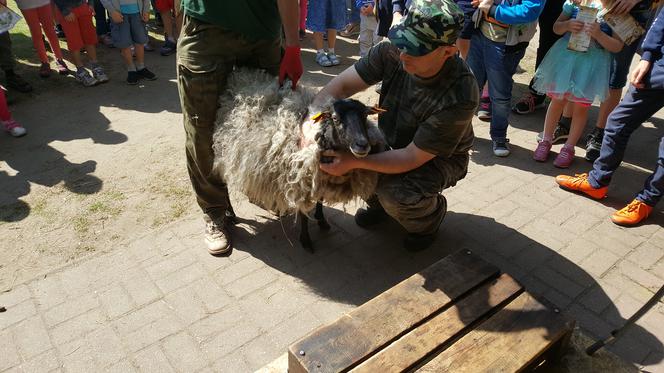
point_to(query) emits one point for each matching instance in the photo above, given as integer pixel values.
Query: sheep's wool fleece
(256, 148)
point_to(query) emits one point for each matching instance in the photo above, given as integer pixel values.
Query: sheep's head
(346, 125)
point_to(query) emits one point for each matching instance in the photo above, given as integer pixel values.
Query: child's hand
(575, 26)
(71, 17)
(637, 75)
(594, 30)
(146, 17)
(117, 17)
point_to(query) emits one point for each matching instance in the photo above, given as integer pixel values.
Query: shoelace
(633, 206)
(579, 179)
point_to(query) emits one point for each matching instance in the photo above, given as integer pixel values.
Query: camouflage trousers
(206, 55)
(413, 198)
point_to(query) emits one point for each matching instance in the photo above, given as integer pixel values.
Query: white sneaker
(85, 78)
(217, 236)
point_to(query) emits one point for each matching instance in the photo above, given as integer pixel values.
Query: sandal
(334, 59)
(323, 60)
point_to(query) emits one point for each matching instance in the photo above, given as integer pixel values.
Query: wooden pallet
(458, 315)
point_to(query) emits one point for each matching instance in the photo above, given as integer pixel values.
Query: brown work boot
(217, 236)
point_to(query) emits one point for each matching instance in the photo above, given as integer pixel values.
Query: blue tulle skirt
(577, 76)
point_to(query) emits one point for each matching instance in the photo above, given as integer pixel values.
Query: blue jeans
(636, 107)
(354, 14)
(493, 62)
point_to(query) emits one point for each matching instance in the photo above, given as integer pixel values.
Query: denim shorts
(323, 15)
(621, 61)
(130, 31)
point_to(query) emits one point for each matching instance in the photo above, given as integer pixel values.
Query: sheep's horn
(376, 110)
(320, 116)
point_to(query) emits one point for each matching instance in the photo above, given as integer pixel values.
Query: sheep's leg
(305, 239)
(320, 217)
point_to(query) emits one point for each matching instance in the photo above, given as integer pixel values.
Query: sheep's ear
(375, 110)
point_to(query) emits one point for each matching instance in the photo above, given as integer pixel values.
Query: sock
(171, 39)
(131, 67)
(330, 50)
(569, 146)
(548, 138)
(140, 66)
(565, 122)
(94, 64)
(321, 51)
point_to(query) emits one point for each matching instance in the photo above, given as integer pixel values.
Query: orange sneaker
(631, 214)
(579, 183)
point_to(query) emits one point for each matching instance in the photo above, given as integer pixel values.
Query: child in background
(326, 16)
(128, 29)
(8, 123)
(172, 20)
(39, 16)
(368, 25)
(570, 76)
(75, 16)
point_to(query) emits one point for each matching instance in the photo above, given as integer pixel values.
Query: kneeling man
(429, 95)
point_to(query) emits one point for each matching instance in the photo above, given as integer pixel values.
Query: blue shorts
(468, 26)
(621, 61)
(131, 31)
(323, 15)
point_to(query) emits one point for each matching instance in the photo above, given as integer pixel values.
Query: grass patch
(81, 224)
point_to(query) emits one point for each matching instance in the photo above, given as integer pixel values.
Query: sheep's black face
(350, 119)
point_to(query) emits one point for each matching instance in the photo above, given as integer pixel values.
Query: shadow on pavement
(352, 266)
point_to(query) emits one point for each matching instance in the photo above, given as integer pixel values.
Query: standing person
(429, 95)
(38, 15)
(326, 16)
(532, 100)
(495, 51)
(643, 100)
(216, 37)
(102, 25)
(8, 62)
(368, 24)
(353, 27)
(172, 19)
(75, 16)
(128, 29)
(578, 78)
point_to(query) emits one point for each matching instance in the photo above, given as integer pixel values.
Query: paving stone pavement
(162, 304)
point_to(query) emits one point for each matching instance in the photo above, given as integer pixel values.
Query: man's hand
(575, 26)
(341, 164)
(71, 17)
(623, 6)
(291, 66)
(145, 16)
(637, 75)
(117, 17)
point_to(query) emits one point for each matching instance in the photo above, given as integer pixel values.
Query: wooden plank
(509, 341)
(444, 328)
(353, 337)
(279, 365)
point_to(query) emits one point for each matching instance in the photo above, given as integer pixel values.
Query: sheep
(257, 146)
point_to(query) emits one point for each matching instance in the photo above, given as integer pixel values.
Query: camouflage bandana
(428, 25)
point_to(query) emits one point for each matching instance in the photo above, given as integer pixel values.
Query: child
(172, 19)
(368, 24)
(75, 16)
(577, 77)
(127, 29)
(39, 16)
(495, 51)
(326, 16)
(8, 123)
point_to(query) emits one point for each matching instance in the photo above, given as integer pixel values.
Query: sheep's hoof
(324, 225)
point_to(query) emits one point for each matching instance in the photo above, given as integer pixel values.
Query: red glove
(291, 66)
